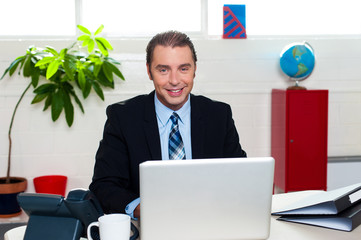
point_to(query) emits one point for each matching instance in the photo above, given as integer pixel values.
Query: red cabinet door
(299, 139)
(307, 139)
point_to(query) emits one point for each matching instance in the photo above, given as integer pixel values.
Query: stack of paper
(338, 209)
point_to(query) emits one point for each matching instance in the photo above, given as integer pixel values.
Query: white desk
(279, 230)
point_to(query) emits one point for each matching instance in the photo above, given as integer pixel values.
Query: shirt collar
(164, 113)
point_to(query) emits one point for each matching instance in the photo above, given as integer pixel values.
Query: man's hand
(136, 212)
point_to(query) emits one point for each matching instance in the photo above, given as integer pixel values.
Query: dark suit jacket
(131, 137)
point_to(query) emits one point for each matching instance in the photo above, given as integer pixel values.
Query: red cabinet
(299, 139)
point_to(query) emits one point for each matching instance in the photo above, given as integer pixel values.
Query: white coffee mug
(112, 227)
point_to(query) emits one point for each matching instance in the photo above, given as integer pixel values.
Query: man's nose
(174, 78)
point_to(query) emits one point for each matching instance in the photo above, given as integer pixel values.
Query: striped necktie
(175, 147)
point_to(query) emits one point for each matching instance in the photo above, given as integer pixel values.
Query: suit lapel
(197, 129)
(151, 128)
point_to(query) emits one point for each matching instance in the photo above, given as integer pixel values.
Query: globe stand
(296, 87)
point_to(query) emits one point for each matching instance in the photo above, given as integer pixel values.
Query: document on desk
(339, 209)
(324, 203)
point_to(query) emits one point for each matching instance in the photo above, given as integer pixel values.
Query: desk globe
(297, 61)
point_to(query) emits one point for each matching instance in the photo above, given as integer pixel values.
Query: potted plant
(57, 78)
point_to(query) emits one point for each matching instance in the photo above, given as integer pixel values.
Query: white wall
(240, 72)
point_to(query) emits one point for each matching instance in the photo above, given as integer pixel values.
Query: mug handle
(96, 224)
(89, 228)
(135, 231)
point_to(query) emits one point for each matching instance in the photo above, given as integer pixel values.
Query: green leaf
(109, 59)
(81, 79)
(69, 71)
(69, 65)
(48, 102)
(88, 73)
(87, 89)
(51, 50)
(11, 69)
(63, 52)
(39, 98)
(84, 29)
(35, 77)
(104, 81)
(102, 48)
(77, 100)
(68, 108)
(104, 42)
(57, 105)
(86, 42)
(99, 30)
(115, 70)
(52, 69)
(98, 90)
(97, 68)
(45, 61)
(27, 67)
(70, 90)
(107, 69)
(91, 46)
(83, 37)
(45, 88)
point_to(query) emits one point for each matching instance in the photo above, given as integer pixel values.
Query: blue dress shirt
(164, 125)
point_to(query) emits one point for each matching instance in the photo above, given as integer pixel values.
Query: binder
(339, 209)
(347, 220)
(330, 202)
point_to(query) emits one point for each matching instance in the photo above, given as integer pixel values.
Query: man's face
(172, 71)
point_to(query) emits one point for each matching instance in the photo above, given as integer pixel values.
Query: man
(142, 128)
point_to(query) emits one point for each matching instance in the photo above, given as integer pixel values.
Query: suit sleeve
(111, 179)
(232, 147)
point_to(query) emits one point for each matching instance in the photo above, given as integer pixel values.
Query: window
(142, 18)
(196, 17)
(37, 17)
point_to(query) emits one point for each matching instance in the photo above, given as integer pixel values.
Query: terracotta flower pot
(9, 206)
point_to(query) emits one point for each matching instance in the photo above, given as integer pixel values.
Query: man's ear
(149, 72)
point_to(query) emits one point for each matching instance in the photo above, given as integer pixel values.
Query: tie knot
(174, 117)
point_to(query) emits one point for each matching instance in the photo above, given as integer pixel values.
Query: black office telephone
(54, 217)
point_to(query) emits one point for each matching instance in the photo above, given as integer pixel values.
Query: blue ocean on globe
(297, 60)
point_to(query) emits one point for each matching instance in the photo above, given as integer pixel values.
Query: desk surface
(279, 230)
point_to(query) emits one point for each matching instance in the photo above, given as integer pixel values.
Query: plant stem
(9, 134)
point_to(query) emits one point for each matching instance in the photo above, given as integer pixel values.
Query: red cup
(51, 184)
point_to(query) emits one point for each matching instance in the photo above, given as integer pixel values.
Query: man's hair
(170, 39)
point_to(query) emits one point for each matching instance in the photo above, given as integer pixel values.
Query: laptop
(216, 199)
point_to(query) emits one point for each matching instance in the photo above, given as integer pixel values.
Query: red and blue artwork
(234, 21)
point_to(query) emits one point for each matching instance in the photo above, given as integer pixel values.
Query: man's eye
(162, 70)
(184, 69)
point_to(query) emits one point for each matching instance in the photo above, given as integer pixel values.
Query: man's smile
(175, 92)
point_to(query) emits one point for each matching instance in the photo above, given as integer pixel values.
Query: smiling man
(169, 123)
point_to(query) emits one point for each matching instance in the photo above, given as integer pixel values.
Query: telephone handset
(54, 217)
